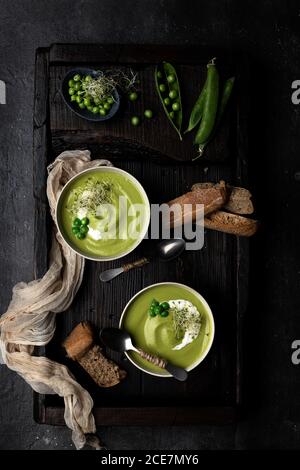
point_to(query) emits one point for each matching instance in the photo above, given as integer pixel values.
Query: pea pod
(210, 105)
(197, 111)
(165, 86)
(227, 91)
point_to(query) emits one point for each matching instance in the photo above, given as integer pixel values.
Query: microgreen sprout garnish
(90, 196)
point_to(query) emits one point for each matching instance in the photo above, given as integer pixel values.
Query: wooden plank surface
(219, 271)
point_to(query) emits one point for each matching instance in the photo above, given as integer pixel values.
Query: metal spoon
(119, 340)
(166, 250)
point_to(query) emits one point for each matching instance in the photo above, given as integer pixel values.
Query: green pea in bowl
(103, 213)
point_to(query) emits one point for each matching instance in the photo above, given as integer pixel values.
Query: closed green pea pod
(210, 104)
(197, 110)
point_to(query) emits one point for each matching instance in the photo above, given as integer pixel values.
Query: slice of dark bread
(102, 370)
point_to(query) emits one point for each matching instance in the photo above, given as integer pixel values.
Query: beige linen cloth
(30, 317)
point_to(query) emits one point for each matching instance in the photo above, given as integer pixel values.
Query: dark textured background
(269, 31)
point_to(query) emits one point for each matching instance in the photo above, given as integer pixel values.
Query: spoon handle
(157, 361)
(178, 372)
(135, 264)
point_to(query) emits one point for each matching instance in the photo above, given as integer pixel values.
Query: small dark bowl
(85, 113)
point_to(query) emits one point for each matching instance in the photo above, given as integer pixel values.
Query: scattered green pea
(81, 105)
(176, 106)
(75, 230)
(87, 102)
(73, 97)
(162, 87)
(85, 221)
(102, 111)
(154, 302)
(71, 83)
(95, 109)
(171, 78)
(88, 78)
(135, 120)
(78, 99)
(173, 94)
(148, 113)
(80, 235)
(167, 101)
(110, 100)
(76, 77)
(71, 91)
(107, 106)
(133, 96)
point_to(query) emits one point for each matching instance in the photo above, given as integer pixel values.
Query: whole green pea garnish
(159, 74)
(133, 96)
(154, 302)
(81, 105)
(77, 86)
(90, 108)
(76, 77)
(71, 83)
(107, 106)
(152, 313)
(102, 111)
(148, 113)
(84, 229)
(158, 310)
(97, 101)
(76, 222)
(162, 87)
(164, 313)
(173, 94)
(165, 305)
(110, 100)
(85, 221)
(167, 101)
(87, 102)
(78, 99)
(95, 110)
(171, 78)
(172, 114)
(71, 91)
(75, 230)
(80, 235)
(88, 78)
(135, 120)
(73, 97)
(176, 106)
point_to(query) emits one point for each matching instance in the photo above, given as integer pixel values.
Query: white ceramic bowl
(208, 313)
(146, 214)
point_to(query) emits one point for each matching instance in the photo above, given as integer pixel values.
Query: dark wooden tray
(152, 153)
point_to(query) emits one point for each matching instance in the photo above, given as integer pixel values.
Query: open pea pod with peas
(168, 89)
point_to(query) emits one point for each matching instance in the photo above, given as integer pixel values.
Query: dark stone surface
(269, 32)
